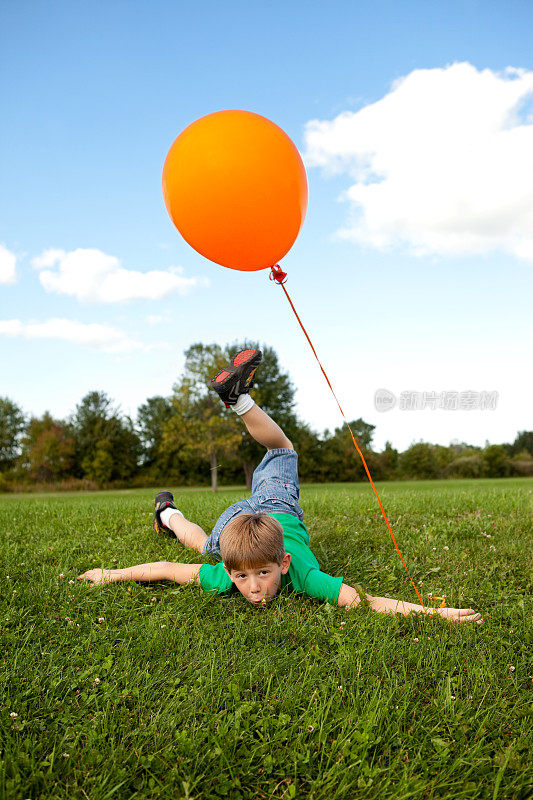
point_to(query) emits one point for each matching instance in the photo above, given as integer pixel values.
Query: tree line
(190, 439)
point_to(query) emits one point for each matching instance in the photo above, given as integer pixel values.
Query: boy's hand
(460, 615)
(386, 605)
(96, 576)
(155, 571)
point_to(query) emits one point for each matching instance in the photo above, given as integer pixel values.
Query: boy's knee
(285, 445)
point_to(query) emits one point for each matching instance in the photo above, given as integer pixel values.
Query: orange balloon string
(442, 605)
(279, 276)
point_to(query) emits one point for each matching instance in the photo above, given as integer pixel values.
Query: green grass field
(155, 691)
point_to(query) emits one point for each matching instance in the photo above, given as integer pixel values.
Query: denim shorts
(275, 489)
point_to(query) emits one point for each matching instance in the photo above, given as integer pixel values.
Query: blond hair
(251, 540)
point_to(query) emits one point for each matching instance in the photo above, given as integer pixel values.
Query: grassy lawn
(152, 691)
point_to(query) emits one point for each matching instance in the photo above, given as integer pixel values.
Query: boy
(261, 543)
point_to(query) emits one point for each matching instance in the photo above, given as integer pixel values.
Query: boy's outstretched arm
(155, 571)
(351, 598)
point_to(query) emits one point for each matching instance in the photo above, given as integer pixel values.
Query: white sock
(166, 514)
(243, 404)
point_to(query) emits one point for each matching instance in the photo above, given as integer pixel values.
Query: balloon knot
(277, 274)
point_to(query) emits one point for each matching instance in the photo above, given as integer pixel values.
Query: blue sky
(427, 290)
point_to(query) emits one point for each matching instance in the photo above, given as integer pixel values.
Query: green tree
(199, 425)
(363, 432)
(99, 465)
(388, 462)
(47, 449)
(523, 441)
(308, 445)
(522, 464)
(444, 456)
(340, 460)
(97, 427)
(466, 466)
(12, 424)
(496, 461)
(420, 461)
(151, 418)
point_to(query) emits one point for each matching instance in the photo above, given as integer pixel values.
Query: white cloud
(8, 264)
(98, 336)
(94, 276)
(156, 319)
(442, 164)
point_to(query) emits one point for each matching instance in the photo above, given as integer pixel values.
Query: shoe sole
(239, 364)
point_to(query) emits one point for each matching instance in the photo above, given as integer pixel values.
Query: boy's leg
(277, 474)
(169, 520)
(264, 430)
(232, 385)
(188, 533)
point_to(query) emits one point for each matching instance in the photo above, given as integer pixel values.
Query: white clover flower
(101, 619)
(13, 715)
(452, 698)
(97, 680)
(512, 669)
(446, 547)
(61, 575)
(415, 639)
(163, 626)
(72, 582)
(66, 755)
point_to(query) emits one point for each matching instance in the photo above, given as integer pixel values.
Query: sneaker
(237, 378)
(163, 500)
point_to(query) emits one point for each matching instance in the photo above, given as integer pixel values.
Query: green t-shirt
(304, 575)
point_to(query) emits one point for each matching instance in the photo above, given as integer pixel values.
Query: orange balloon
(235, 187)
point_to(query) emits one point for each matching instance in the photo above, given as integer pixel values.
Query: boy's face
(260, 583)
